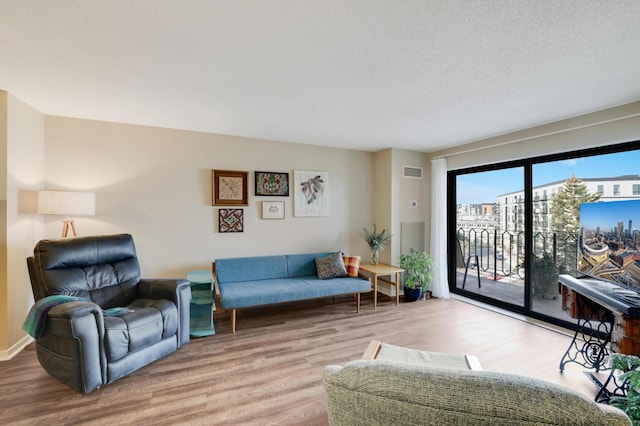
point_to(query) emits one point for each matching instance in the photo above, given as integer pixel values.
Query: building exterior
(510, 205)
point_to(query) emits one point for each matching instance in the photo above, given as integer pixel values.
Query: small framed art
(229, 188)
(272, 183)
(273, 209)
(230, 220)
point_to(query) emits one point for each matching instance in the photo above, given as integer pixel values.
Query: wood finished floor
(270, 371)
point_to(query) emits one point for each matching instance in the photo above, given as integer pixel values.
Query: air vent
(412, 172)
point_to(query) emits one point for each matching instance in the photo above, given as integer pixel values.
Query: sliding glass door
(490, 234)
(513, 227)
(560, 189)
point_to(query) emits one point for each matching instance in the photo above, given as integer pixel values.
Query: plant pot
(412, 294)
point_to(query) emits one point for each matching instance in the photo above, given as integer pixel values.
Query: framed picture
(311, 193)
(273, 209)
(272, 183)
(230, 220)
(229, 188)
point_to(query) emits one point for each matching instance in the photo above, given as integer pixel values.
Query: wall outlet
(413, 204)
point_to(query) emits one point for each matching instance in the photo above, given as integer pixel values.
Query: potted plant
(629, 365)
(544, 277)
(417, 273)
(377, 241)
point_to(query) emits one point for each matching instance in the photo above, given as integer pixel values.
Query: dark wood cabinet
(625, 336)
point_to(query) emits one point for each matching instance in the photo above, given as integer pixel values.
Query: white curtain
(440, 287)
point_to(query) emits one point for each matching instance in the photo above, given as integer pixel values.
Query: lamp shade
(67, 203)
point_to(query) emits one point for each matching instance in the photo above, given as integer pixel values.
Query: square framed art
(229, 188)
(274, 184)
(230, 220)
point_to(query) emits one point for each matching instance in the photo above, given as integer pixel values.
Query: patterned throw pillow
(330, 266)
(352, 265)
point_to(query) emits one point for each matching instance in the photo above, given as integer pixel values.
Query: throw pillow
(352, 265)
(331, 266)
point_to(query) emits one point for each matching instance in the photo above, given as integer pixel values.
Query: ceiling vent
(412, 172)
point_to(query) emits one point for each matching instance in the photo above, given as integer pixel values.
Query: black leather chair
(81, 346)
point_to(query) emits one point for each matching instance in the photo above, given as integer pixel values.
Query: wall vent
(412, 172)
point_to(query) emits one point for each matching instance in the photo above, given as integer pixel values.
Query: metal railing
(503, 252)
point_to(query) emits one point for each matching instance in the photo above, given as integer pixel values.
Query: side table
(202, 303)
(382, 269)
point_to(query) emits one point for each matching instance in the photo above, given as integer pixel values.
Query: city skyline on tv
(607, 215)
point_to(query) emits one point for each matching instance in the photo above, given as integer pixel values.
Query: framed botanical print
(272, 183)
(229, 188)
(230, 220)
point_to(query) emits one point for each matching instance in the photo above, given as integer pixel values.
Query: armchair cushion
(368, 392)
(104, 269)
(148, 322)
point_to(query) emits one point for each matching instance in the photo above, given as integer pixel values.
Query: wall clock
(229, 188)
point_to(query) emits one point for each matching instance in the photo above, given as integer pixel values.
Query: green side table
(202, 303)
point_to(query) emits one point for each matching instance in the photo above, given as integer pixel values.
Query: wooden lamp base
(65, 227)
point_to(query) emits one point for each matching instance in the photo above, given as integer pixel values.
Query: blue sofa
(262, 280)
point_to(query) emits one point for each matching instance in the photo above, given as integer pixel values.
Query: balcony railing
(503, 252)
(501, 265)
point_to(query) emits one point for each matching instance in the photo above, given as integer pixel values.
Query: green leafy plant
(417, 269)
(629, 365)
(544, 276)
(376, 240)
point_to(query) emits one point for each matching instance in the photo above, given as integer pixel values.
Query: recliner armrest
(61, 318)
(178, 290)
(72, 347)
(162, 288)
(72, 310)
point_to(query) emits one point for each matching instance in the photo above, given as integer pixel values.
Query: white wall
(155, 183)
(24, 175)
(393, 194)
(614, 125)
(4, 294)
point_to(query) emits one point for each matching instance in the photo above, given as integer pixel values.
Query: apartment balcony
(498, 257)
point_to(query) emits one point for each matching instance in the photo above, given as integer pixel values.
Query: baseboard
(15, 349)
(534, 321)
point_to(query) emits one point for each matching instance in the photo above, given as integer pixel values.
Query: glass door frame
(527, 165)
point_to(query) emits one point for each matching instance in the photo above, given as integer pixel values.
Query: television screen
(610, 241)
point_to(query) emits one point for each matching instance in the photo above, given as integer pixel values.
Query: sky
(477, 188)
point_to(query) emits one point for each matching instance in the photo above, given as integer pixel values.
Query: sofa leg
(357, 303)
(233, 320)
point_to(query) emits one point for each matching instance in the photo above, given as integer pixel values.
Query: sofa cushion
(389, 392)
(331, 266)
(352, 265)
(303, 265)
(240, 269)
(264, 292)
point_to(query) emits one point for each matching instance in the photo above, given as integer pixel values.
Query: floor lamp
(68, 204)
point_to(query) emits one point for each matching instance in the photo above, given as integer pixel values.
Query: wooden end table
(382, 269)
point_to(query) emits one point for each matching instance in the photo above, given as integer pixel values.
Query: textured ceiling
(361, 74)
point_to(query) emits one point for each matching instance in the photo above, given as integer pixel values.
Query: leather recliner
(83, 347)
